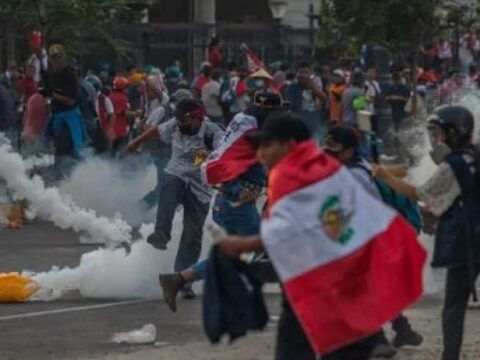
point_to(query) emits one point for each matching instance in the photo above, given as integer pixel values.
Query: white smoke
(112, 273)
(52, 206)
(112, 189)
(109, 273)
(43, 161)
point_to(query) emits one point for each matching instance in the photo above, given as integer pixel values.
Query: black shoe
(407, 338)
(187, 293)
(383, 351)
(156, 242)
(171, 285)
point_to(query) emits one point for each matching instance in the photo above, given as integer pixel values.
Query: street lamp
(278, 9)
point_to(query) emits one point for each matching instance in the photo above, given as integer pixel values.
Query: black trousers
(292, 344)
(457, 293)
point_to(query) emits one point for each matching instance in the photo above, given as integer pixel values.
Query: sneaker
(473, 305)
(383, 351)
(171, 285)
(407, 338)
(156, 242)
(187, 293)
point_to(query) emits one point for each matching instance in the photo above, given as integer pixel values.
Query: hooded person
(452, 195)
(234, 170)
(192, 136)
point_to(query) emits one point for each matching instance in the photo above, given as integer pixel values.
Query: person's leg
(170, 195)
(360, 350)
(457, 292)
(63, 152)
(405, 335)
(381, 346)
(194, 215)
(150, 200)
(291, 340)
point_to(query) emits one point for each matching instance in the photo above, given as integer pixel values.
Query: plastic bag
(16, 288)
(145, 335)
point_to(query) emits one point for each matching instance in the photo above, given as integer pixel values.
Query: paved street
(77, 328)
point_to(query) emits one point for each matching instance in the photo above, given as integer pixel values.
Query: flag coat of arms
(348, 262)
(235, 154)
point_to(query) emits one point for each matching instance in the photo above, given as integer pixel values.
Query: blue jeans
(172, 193)
(243, 220)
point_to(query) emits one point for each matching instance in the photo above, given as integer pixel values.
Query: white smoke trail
(50, 205)
(112, 188)
(111, 273)
(38, 161)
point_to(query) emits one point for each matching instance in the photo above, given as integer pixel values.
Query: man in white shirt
(211, 97)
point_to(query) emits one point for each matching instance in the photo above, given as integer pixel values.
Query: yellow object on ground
(16, 216)
(16, 288)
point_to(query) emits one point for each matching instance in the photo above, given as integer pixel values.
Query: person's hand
(380, 172)
(311, 83)
(247, 196)
(132, 147)
(232, 246)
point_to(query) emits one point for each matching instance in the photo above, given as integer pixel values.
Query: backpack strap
(208, 141)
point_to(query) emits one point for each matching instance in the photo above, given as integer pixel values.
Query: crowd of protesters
(194, 130)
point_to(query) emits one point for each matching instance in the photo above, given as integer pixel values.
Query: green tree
(400, 26)
(82, 25)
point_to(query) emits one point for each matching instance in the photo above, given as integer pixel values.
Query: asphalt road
(77, 328)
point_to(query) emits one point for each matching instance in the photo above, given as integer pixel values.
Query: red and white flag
(254, 62)
(348, 263)
(235, 155)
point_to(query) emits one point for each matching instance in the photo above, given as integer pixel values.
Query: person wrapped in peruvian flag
(347, 262)
(239, 178)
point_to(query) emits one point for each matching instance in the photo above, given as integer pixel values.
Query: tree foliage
(79, 24)
(395, 24)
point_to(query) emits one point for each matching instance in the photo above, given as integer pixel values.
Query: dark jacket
(232, 298)
(453, 246)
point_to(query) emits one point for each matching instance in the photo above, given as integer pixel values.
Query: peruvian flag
(348, 263)
(235, 155)
(254, 63)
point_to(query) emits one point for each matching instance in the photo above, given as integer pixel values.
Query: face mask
(187, 130)
(439, 148)
(439, 152)
(259, 84)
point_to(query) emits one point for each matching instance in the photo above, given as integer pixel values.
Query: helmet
(120, 83)
(456, 123)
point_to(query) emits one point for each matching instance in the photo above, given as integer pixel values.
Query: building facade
(181, 29)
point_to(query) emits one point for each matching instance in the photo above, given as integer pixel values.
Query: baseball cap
(343, 135)
(281, 126)
(267, 100)
(339, 72)
(182, 94)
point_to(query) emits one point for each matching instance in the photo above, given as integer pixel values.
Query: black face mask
(187, 130)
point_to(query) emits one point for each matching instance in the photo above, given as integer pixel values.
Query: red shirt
(120, 106)
(215, 57)
(27, 87)
(202, 80)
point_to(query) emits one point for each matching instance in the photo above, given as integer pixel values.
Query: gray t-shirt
(349, 114)
(184, 151)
